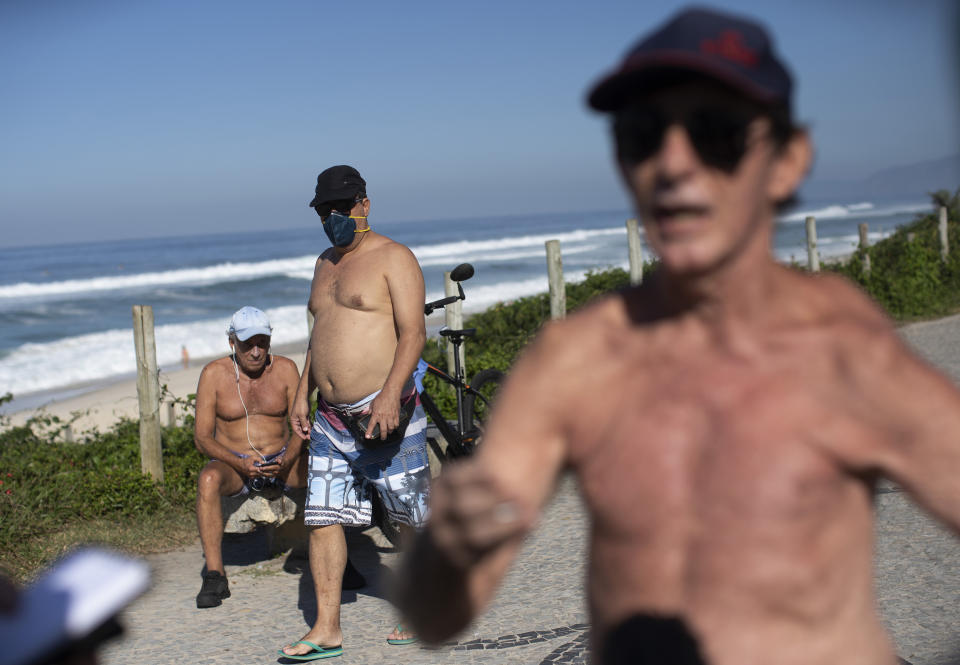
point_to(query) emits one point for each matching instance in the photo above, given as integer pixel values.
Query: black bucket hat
(338, 183)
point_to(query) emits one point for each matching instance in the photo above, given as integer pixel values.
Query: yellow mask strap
(360, 217)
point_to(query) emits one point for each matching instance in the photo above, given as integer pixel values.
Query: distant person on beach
(726, 421)
(184, 356)
(369, 433)
(243, 402)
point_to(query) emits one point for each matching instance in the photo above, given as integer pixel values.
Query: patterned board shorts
(344, 473)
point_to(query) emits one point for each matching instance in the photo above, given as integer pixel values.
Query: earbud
(246, 414)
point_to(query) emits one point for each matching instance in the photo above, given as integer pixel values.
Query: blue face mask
(341, 228)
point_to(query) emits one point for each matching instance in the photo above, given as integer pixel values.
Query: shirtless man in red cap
(726, 421)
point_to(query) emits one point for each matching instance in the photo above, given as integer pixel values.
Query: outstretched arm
(481, 509)
(911, 414)
(922, 449)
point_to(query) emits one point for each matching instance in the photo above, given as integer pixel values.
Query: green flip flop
(405, 640)
(317, 652)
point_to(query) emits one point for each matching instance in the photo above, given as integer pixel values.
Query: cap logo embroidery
(730, 45)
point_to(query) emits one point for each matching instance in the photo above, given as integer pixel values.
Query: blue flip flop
(317, 653)
(405, 640)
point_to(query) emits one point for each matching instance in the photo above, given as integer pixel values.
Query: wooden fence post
(148, 392)
(813, 257)
(864, 243)
(453, 318)
(944, 243)
(171, 414)
(558, 290)
(635, 252)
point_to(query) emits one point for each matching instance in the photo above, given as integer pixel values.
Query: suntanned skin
(268, 384)
(726, 423)
(368, 333)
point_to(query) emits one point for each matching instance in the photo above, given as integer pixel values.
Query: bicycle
(474, 399)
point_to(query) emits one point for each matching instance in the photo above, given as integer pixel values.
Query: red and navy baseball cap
(734, 51)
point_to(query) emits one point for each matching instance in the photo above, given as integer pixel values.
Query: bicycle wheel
(487, 383)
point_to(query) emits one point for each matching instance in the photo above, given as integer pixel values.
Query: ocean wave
(223, 272)
(865, 209)
(462, 247)
(300, 267)
(110, 354)
(451, 260)
(98, 356)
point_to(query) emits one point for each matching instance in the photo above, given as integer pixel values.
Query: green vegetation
(907, 276)
(505, 328)
(55, 494)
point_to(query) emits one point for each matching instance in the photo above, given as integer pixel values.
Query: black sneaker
(214, 589)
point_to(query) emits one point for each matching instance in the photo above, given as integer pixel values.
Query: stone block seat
(279, 512)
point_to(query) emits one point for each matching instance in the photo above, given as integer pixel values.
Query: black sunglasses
(344, 206)
(719, 135)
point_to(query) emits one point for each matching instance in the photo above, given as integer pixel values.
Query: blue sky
(134, 118)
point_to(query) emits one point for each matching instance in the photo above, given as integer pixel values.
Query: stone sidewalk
(539, 615)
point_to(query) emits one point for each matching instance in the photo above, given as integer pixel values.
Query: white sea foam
(98, 356)
(480, 297)
(426, 253)
(301, 267)
(101, 356)
(829, 247)
(858, 210)
(223, 272)
(105, 355)
(511, 248)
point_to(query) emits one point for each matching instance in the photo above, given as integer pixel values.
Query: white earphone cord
(246, 414)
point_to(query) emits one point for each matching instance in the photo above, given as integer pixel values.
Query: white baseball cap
(247, 322)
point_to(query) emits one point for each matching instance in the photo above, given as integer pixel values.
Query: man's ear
(790, 166)
(366, 207)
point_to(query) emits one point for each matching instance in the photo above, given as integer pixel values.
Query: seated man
(243, 402)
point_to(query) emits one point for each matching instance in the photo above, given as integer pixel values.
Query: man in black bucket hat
(726, 420)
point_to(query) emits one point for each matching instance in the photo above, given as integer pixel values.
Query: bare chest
(237, 400)
(354, 284)
(711, 444)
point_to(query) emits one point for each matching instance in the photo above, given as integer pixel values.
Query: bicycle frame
(453, 437)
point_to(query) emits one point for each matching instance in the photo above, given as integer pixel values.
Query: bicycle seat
(466, 332)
